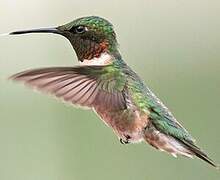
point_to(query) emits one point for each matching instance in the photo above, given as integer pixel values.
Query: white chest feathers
(103, 59)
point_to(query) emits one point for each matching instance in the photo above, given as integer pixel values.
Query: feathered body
(106, 84)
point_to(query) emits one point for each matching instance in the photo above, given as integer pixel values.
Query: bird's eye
(78, 29)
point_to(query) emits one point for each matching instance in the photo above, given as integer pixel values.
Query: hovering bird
(104, 83)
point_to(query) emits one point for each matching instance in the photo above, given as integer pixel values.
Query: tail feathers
(199, 153)
(175, 146)
(166, 143)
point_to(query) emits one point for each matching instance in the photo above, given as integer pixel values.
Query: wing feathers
(77, 85)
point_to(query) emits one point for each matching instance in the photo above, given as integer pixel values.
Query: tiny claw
(122, 141)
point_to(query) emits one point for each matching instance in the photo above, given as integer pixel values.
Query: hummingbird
(105, 83)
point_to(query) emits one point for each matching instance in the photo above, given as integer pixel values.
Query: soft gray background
(174, 45)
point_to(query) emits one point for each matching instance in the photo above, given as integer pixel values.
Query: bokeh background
(174, 45)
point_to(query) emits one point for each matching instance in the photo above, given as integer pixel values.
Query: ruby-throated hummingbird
(105, 83)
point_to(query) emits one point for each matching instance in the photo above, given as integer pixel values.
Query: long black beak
(41, 30)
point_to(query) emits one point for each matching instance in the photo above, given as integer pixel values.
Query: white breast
(104, 59)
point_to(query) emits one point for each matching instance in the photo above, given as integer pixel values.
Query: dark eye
(78, 29)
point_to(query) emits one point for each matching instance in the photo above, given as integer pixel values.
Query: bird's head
(90, 36)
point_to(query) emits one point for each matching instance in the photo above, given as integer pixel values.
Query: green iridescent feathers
(99, 26)
(160, 116)
(97, 23)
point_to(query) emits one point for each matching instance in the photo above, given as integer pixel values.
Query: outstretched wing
(83, 85)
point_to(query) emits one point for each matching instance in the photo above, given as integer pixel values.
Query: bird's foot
(126, 140)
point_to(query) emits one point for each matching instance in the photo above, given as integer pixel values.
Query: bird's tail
(195, 150)
(175, 146)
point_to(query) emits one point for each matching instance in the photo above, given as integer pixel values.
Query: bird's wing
(158, 113)
(83, 85)
(166, 123)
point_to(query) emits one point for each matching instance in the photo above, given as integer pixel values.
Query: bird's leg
(123, 141)
(126, 140)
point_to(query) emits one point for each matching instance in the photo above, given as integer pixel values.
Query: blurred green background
(174, 45)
